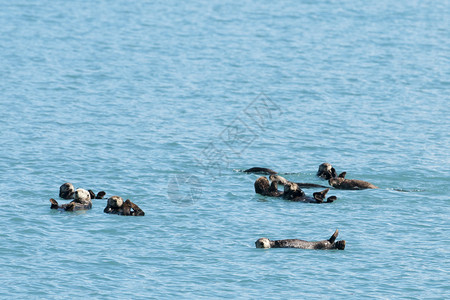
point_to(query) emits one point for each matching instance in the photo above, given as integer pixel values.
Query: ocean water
(164, 103)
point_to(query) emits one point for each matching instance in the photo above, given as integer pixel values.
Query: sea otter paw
(70, 206)
(54, 204)
(92, 194)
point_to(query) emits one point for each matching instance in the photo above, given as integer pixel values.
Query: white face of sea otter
(290, 187)
(279, 179)
(82, 196)
(262, 243)
(115, 202)
(325, 167)
(325, 171)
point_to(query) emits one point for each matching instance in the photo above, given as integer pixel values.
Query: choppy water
(162, 102)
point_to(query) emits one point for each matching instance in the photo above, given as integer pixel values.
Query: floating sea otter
(301, 244)
(82, 201)
(294, 193)
(291, 191)
(327, 172)
(117, 206)
(66, 191)
(350, 184)
(258, 170)
(278, 178)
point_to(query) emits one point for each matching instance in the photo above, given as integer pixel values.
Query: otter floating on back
(258, 170)
(82, 201)
(350, 184)
(291, 192)
(117, 206)
(301, 244)
(66, 191)
(326, 171)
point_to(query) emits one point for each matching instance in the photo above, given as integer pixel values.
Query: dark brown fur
(258, 170)
(71, 206)
(66, 191)
(291, 192)
(326, 171)
(263, 187)
(100, 195)
(128, 208)
(350, 184)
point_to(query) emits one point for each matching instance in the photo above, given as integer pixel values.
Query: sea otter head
(262, 185)
(326, 171)
(292, 190)
(66, 191)
(335, 182)
(115, 202)
(262, 243)
(82, 196)
(278, 179)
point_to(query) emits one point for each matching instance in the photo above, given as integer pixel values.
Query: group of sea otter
(292, 191)
(82, 200)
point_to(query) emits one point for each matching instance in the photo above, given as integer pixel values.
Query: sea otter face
(326, 171)
(115, 202)
(262, 243)
(82, 196)
(292, 191)
(66, 191)
(279, 179)
(290, 187)
(261, 185)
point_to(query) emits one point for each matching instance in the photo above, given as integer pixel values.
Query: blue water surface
(164, 102)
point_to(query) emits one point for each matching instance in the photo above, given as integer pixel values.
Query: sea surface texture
(166, 102)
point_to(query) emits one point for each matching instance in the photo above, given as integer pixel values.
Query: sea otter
(263, 171)
(301, 244)
(66, 191)
(294, 193)
(117, 206)
(326, 171)
(82, 201)
(350, 184)
(291, 191)
(263, 187)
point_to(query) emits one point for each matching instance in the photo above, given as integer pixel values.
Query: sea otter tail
(258, 170)
(309, 185)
